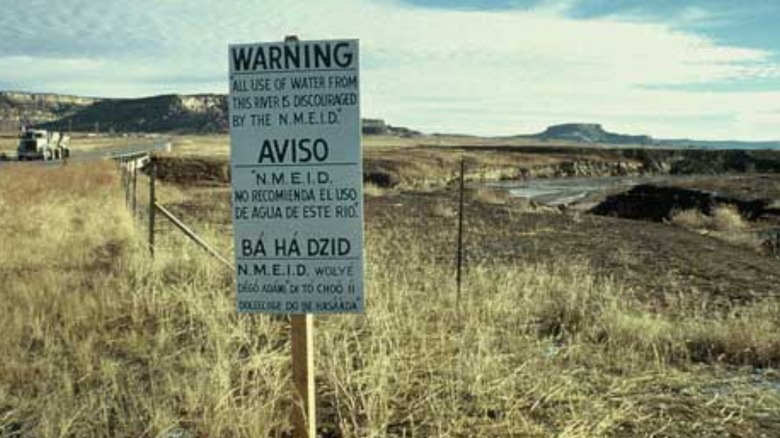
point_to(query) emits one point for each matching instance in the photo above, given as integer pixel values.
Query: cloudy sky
(706, 69)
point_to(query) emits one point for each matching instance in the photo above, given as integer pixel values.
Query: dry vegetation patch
(8, 143)
(723, 218)
(725, 223)
(98, 341)
(532, 349)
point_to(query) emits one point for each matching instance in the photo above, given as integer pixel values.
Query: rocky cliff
(201, 113)
(34, 108)
(196, 113)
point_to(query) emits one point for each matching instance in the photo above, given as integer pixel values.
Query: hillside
(200, 113)
(165, 113)
(172, 113)
(208, 113)
(35, 108)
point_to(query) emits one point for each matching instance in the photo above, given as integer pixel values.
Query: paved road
(161, 144)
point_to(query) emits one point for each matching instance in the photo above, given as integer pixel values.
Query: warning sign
(296, 162)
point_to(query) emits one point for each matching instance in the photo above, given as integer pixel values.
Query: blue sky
(751, 23)
(696, 69)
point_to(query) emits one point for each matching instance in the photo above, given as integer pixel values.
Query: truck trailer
(40, 144)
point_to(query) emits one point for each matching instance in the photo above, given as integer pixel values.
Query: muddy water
(565, 191)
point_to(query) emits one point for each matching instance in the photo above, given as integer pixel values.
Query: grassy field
(415, 163)
(218, 145)
(99, 340)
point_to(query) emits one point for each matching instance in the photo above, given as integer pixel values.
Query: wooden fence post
(121, 168)
(460, 233)
(304, 417)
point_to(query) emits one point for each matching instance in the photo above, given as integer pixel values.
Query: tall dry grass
(724, 218)
(725, 223)
(98, 340)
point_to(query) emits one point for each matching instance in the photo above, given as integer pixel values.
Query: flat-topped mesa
(590, 133)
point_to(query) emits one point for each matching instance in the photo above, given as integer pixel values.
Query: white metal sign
(296, 162)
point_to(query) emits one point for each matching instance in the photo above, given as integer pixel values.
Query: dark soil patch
(659, 203)
(654, 259)
(192, 170)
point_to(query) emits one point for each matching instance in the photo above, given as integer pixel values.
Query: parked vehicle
(40, 144)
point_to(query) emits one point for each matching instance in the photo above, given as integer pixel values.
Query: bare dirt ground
(653, 258)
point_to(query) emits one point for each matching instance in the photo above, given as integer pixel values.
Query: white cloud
(555, 7)
(498, 72)
(694, 14)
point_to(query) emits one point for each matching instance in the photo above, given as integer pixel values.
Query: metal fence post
(152, 202)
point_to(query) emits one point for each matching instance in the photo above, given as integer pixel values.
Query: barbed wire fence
(162, 228)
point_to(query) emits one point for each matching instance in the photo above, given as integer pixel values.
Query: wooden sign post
(304, 411)
(297, 177)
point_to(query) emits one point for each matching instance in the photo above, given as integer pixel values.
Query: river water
(565, 191)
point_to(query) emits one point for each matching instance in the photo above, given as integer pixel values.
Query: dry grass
(217, 145)
(723, 218)
(443, 209)
(86, 142)
(725, 223)
(692, 219)
(8, 143)
(373, 190)
(99, 341)
(491, 196)
(727, 218)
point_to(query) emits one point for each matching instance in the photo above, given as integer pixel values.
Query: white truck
(40, 144)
